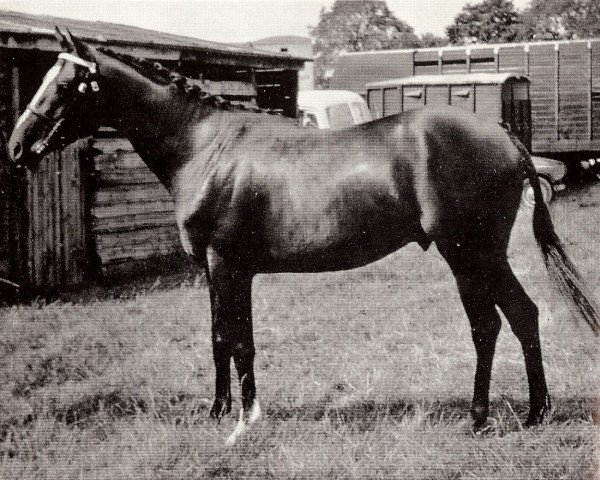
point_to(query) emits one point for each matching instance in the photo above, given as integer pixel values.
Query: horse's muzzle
(22, 156)
(15, 151)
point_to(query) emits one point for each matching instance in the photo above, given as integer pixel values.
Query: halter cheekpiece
(81, 88)
(91, 66)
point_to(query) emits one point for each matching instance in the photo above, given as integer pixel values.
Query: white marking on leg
(244, 421)
(254, 412)
(237, 431)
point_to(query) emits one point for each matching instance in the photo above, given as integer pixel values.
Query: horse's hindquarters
(469, 178)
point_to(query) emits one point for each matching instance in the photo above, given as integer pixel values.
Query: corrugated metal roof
(113, 33)
(481, 78)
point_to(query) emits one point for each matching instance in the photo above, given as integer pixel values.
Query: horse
(255, 193)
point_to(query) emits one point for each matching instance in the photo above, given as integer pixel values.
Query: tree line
(354, 26)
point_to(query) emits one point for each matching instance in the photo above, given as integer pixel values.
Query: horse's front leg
(231, 305)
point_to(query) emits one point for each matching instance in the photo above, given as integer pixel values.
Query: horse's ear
(80, 47)
(70, 43)
(65, 42)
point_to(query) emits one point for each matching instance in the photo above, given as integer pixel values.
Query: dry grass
(361, 374)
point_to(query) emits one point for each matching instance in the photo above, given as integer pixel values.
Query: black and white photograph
(299, 239)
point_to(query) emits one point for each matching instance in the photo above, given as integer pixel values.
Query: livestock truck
(564, 85)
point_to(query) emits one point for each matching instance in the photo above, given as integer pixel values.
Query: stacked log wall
(132, 213)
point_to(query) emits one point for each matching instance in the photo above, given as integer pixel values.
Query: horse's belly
(322, 246)
(341, 256)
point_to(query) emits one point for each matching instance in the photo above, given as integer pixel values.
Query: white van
(331, 109)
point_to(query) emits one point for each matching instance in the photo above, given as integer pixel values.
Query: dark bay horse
(254, 193)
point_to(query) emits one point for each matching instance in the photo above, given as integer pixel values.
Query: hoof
(220, 408)
(489, 426)
(538, 415)
(535, 420)
(246, 419)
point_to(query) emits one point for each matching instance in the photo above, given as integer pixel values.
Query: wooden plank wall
(14, 257)
(6, 234)
(57, 252)
(73, 214)
(131, 212)
(595, 91)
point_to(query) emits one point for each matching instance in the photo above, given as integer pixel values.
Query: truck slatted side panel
(463, 96)
(392, 102)
(513, 60)
(491, 95)
(376, 103)
(565, 83)
(425, 63)
(454, 62)
(487, 100)
(437, 95)
(574, 85)
(354, 72)
(482, 60)
(543, 93)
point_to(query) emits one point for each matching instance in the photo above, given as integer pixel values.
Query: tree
(491, 21)
(561, 19)
(431, 40)
(354, 26)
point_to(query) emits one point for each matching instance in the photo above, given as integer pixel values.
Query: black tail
(560, 267)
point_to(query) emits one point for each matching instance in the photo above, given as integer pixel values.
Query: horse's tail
(562, 271)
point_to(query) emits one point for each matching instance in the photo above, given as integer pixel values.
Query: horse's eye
(62, 87)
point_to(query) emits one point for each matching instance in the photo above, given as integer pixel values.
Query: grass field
(361, 374)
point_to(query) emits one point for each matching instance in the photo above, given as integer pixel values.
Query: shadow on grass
(362, 416)
(113, 404)
(159, 272)
(82, 413)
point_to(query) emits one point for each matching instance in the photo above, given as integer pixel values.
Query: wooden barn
(95, 208)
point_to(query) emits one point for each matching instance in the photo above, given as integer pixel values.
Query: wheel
(528, 198)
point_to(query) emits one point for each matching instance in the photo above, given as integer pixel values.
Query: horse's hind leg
(475, 286)
(522, 315)
(231, 306)
(484, 280)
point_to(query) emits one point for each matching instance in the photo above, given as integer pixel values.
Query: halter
(88, 82)
(91, 66)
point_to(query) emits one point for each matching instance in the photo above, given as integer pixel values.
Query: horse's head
(65, 107)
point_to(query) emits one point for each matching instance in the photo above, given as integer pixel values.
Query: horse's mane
(163, 76)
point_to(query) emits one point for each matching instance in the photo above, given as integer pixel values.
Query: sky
(234, 20)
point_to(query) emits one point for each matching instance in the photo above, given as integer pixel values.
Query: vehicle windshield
(306, 119)
(362, 112)
(340, 116)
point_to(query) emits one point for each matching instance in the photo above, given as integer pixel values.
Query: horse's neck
(149, 116)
